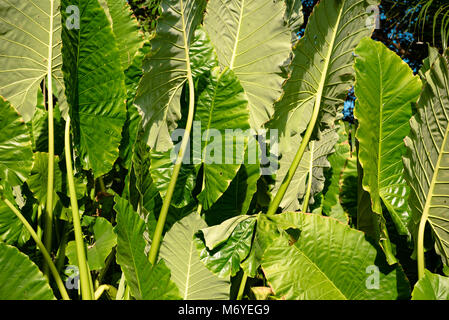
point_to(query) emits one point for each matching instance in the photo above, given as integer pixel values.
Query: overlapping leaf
(311, 166)
(322, 69)
(20, 278)
(385, 91)
(224, 256)
(252, 39)
(343, 266)
(222, 102)
(95, 86)
(431, 287)
(29, 29)
(427, 160)
(194, 280)
(167, 69)
(16, 156)
(147, 282)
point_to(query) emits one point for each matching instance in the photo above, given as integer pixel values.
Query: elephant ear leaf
(167, 69)
(28, 31)
(385, 89)
(427, 160)
(16, 154)
(95, 90)
(20, 278)
(223, 101)
(310, 170)
(310, 265)
(431, 287)
(252, 39)
(322, 68)
(229, 249)
(194, 280)
(147, 282)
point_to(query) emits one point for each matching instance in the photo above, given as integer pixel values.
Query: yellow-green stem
(51, 143)
(305, 203)
(156, 242)
(85, 281)
(291, 171)
(420, 247)
(242, 286)
(41, 246)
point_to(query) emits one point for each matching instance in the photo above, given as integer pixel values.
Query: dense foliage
(205, 157)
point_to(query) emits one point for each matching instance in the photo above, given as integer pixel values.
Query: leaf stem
(51, 144)
(242, 286)
(86, 288)
(420, 247)
(156, 242)
(274, 205)
(41, 246)
(305, 202)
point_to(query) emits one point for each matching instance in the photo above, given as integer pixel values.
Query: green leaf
(236, 200)
(203, 57)
(328, 260)
(95, 90)
(20, 278)
(12, 230)
(28, 30)
(252, 39)
(322, 69)
(161, 170)
(216, 235)
(338, 162)
(311, 166)
(105, 240)
(385, 90)
(224, 259)
(428, 62)
(431, 287)
(37, 181)
(221, 102)
(16, 155)
(294, 17)
(167, 69)
(427, 160)
(146, 282)
(125, 28)
(194, 280)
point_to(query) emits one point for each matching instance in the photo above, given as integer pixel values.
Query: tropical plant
(177, 158)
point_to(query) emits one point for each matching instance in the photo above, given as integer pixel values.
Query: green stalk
(39, 221)
(156, 242)
(121, 288)
(41, 246)
(85, 281)
(305, 202)
(51, 144)
(274, 205)
(242, 286)
(420, 245)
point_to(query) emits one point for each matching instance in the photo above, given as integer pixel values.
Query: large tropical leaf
(331, 204)
(427, 160)
(194, 280)
(294, 17)
(167, 69)
(20, 278)
(97, 252)
(252, 39)
(311, 166)
(146, 282)
(431, 287)
(29, 29)
(322, 69)
(385, 89)
(37, 181)
(95, 86)
(125, 28)
(312, 265)
(223, 256)
(222, 102)
(16, 156)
